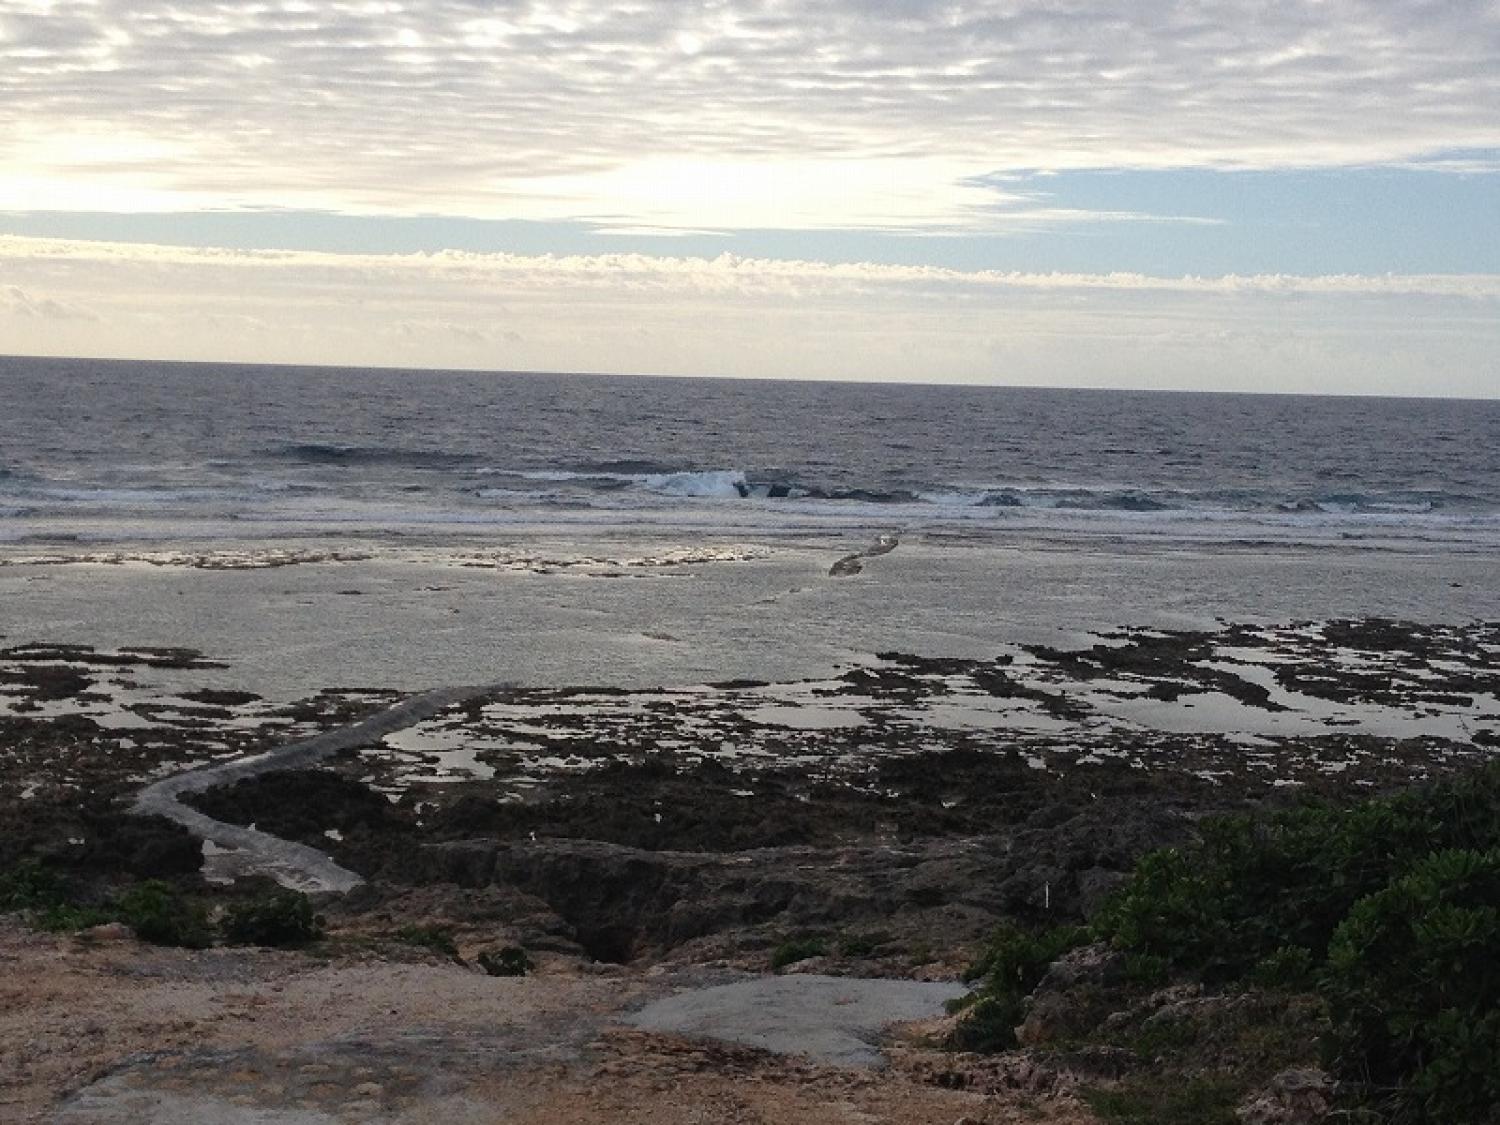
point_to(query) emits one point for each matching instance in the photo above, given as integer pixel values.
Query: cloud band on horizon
(1432, 334)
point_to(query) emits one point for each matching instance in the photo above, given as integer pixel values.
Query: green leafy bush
(69, 918)
(162, 915)
(1291, 967)
(31, 886)
(52, 903)
(989, 1023)
(1253, 886)
(439, 939)
(1385, 914)
(1011, 966)
(1413, 982)
(797, 949)
(1146, 969)
(508, 961)
(277, 918)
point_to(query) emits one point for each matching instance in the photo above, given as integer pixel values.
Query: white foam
(687, 483)
(719, 483)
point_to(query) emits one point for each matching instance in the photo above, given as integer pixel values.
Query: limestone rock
(1072, 996)
(108, 931)
(1301, 1096)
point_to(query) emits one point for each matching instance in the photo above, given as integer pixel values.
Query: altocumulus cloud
(876, 113)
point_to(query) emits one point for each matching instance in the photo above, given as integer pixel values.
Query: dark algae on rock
(637, 860)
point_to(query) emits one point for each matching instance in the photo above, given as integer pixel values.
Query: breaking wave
(738, 484)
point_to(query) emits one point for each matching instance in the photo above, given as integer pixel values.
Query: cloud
(760, 317)
(715, 114)
(726, 274)
(18, 302)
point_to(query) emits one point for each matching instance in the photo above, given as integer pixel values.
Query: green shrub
(1413, 982)
(1390, 910)
(989, 1023)
(31, 886)
(1253, 886)
(1386, 912)
(69, 918)
(508, 961)
(48, 900)
(797, 949)
(1289, 967)
(1171, 909)
(859, 946)
(1166, 1101)
(1146, 970)
(1017, 958)
(277, 918)
(162, 915)
(1008, 969)
(438, 939)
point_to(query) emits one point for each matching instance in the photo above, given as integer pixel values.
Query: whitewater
(113, 453)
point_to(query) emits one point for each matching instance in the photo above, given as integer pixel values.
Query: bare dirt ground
(115, 1031)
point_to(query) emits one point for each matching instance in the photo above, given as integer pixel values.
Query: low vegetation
(436, 939)
(1196, 1101)
(1011, 967)
(797, 949)
(278, 917)
(507, 961)
(1383, 917)
(158, 911)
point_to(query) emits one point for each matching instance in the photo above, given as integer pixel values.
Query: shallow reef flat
(1244, 707)
(1026, 783)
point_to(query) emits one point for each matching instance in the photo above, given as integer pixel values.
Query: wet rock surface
(835, 1020)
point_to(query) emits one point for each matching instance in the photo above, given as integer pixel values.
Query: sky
(1268, 195)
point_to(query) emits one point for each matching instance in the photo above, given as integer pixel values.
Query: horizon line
(6, 357)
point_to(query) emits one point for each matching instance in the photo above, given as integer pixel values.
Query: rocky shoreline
(880, 822)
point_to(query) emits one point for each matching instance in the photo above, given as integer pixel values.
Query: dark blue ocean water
(101, 451)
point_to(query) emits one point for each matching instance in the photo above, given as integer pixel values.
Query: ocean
(115, 452)
(411, 529)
